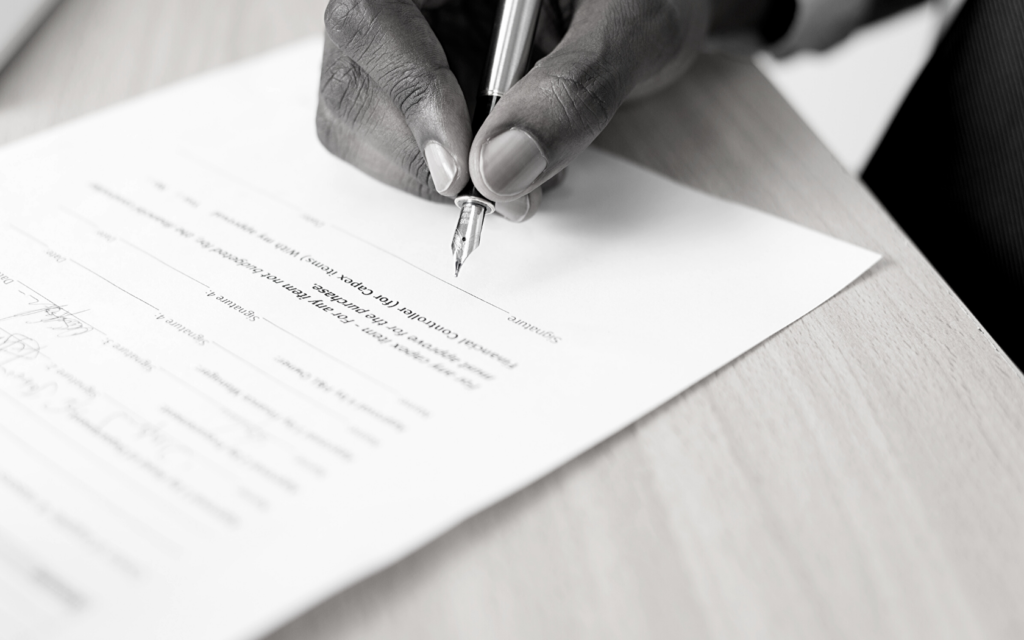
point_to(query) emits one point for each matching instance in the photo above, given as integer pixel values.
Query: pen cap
(510, 44)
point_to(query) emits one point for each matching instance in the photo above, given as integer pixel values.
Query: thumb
(556, 110)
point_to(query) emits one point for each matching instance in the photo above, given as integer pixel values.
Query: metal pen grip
(514, 27)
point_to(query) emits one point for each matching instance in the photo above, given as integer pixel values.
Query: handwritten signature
(15, 346)
(52, 316)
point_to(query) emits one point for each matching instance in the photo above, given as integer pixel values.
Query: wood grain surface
(859, 475)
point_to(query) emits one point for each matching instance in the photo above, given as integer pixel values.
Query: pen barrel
(484, 105)
(511, 41)
(514, 27)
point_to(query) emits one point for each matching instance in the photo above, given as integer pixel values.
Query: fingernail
(511, 162)
(442, 165)
(520, 209)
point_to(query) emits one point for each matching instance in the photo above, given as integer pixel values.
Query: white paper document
(237, 375)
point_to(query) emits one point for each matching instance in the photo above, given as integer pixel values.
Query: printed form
(237, 375)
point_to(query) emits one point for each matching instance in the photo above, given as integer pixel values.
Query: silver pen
(514, 27)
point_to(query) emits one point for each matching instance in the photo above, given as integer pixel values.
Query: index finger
(392, 42)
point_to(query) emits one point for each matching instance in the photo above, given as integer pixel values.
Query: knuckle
(585, 94)
(345, 90)
(348, 21)
(411, 88)
(359, 28)
(336, 15)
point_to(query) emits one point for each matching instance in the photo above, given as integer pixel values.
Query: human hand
(391, 101)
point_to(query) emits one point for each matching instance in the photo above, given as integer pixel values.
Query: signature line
(112, 284)
(420, 269)
(141, 250)
(29, 236)
(289, 205)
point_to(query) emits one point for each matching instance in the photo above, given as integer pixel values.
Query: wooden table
(859, 475)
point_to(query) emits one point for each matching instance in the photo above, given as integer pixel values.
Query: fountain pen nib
(467, 232)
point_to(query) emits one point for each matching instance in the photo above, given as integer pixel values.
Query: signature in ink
(53, 316)
(15, 346)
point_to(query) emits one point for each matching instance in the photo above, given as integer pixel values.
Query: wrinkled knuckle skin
(346, 91)
(345, 101)
(411, 88)
(360, 27)
(583, 93)
(349, 21)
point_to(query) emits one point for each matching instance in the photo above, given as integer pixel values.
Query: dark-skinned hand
(399, 78)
